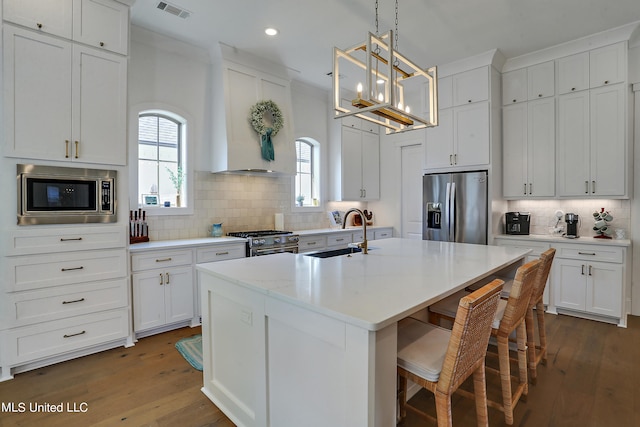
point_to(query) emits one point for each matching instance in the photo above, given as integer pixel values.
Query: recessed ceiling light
(270, 31)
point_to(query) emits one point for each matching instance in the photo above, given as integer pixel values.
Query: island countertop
(397, 277)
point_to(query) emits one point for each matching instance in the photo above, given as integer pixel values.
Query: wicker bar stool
(440, 360)
(510, 318)
(538, 353)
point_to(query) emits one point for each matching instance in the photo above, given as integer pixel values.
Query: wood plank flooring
(592, 380)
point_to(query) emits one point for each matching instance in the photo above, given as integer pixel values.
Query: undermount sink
(334, 252)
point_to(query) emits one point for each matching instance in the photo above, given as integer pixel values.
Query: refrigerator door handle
(447, 211)
(452, 213)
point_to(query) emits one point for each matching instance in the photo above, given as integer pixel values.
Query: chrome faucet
(362, 244)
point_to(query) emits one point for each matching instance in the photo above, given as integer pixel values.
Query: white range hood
(240, 80)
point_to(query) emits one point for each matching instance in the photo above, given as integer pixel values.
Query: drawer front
(220, 253)
(591, 253)
(41, 271)
(45, 305)
(53, 338)
(160, 259)
(312, 243)
(358, 235)
(340, 239)
(536, 247)
(382, 234)
(55, 240)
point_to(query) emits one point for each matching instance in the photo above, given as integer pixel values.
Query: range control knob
(294, 239)
(276, 240)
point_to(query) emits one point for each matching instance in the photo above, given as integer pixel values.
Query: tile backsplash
(543, 213)
(240, 203)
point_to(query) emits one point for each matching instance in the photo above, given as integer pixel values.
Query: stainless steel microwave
(61, 195)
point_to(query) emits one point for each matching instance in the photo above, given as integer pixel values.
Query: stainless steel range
(267, 242)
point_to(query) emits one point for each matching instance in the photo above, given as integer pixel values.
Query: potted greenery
(300, 200)
(177, 179)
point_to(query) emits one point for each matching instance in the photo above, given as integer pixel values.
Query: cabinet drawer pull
(586, 253)
(166, 282)
(74, 335)
(163, 259)
(73, 301)
(311, 243)
(593, 187)
(66, 148)
(161, 279)
(525, 189)
(77, 149)
(530, 188)
(70, 239)
(72, 268)
(582, 269)
(590, 270)
(586, 187)
(339, 240)
(222, 253)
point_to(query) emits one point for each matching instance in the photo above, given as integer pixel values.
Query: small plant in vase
(300, 200)
(177, 179)
(601, 226)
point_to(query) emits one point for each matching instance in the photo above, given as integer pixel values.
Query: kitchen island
(292, 340)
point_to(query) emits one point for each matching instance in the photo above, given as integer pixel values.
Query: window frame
(316, 176)
(186, 148)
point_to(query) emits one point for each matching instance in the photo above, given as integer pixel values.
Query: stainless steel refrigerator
(455, 207)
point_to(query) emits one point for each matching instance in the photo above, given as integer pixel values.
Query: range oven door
(276, 250)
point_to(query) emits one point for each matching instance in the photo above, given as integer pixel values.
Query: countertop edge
(583, 240)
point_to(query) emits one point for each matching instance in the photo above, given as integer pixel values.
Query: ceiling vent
(174, 10)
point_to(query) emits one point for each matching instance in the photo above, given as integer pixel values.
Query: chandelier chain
(396, 35)
(377, 33)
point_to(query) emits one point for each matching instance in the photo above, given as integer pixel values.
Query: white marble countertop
(582, 240)
(338, 230)
(398, 277)
(184, 243)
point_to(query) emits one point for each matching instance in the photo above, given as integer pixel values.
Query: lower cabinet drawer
(41, 271)
(341, 239)
(591, 253)
(24, 308)
(382, 234)
(220, 253)
(30, 343)
(314, 243)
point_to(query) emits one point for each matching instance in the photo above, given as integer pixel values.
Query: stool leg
(480, 391)
(531, 346)
(521, 334)
(542, 331)
(505, 378)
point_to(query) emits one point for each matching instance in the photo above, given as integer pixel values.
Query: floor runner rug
(191, 349)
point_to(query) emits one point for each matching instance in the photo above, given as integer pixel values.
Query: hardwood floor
(592, 380)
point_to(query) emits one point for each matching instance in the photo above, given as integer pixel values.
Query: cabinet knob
(573, 88)
(515, 100)
(606, 82)
(469, 101)
(39, 25)
(539, 95)
(101, 44)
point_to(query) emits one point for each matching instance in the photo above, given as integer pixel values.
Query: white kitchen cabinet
(592, 143)
(99, 23)
(162, 297)
(357, 123)
(385, 233)
(573, 73)
(460, 139)
(163, 288)
(514, 86)
(360, 165)
(65, 293)
(529, 149)
(76, 94)
(339, 240)
(589, 286)
(541, 80)
(608, 65)
(471, 86)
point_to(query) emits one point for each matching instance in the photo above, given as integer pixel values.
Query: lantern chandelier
(397, 94)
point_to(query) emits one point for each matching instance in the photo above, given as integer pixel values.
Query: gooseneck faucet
(362, 244)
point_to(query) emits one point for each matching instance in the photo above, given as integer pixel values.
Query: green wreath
(256, 117)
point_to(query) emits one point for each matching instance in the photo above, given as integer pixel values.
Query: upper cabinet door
(471, 86)
(607, 65)
(445, 92)
(514, 86)
(541, 80)
(52, 17)
(101, 23)
(573, 73)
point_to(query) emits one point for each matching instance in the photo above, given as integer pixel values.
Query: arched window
(161, 159)
(307, 188)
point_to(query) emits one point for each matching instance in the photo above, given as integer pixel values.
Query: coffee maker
(573, 225)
